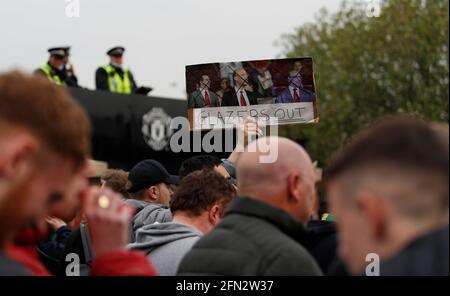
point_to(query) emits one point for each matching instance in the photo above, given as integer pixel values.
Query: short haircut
(116, 180)
(196, 163)
(200, 77)
(46, 111)
(200, 190)
(403, 148)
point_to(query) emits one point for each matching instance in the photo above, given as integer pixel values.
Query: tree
(368, 67)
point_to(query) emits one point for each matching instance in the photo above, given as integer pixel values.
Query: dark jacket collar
(427, 255)
(61, 73)
(55, 70)
(118, 69)
(253, 208)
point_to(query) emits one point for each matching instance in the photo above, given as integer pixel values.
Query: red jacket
(117, 263)
(27, 256)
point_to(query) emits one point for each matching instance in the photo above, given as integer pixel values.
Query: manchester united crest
(156, 129)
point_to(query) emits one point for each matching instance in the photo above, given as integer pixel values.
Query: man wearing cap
(150, 194)
(150, 182)
(57, 69)
(112, 77)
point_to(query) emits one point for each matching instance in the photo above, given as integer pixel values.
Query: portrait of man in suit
(294, 92)
(240, 94)
(297, 66)
(203, 96)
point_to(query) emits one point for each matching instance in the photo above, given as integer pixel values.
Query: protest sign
(221, 93)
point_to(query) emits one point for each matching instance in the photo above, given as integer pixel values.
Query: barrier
(129, 128)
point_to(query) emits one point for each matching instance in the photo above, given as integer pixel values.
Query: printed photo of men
(241, 94)
(203, 96)
(294, 92)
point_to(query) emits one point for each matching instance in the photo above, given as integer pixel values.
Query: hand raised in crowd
(108, 220)
(247, 130)
(55, 223)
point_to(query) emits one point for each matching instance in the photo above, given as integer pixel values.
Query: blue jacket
(286, 97)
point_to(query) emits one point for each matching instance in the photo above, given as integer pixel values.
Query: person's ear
(215, 214)
(373, 211)
(16, 158)
(294, 187)
(153, 193)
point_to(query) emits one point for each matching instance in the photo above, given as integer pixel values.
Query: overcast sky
(160, 36)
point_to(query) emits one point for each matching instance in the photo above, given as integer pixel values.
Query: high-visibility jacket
(116, 83)
(52, 75)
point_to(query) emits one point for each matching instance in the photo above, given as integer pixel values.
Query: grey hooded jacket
(147, 214)
(166, 244)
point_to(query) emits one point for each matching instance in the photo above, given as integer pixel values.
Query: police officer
(57, 69)
(112, 77)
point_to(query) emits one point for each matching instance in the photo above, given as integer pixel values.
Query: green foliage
(366, 67)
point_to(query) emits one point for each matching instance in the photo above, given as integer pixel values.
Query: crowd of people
(387, 191)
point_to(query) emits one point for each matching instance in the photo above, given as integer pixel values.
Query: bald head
(286, 182)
